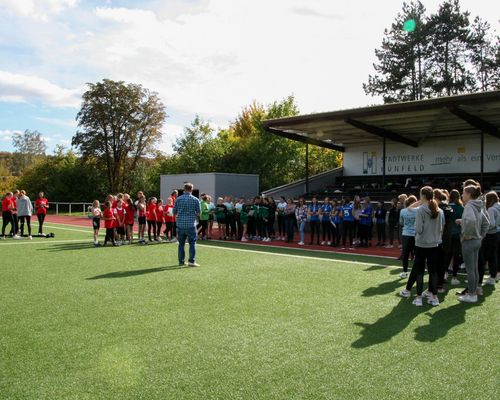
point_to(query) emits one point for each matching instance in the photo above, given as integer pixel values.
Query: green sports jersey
(264, 212)
(244, 215)
(204, 211)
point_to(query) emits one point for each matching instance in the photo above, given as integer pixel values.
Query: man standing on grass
(187, 210)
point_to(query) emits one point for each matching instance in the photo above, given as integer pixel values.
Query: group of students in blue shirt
(340, 223)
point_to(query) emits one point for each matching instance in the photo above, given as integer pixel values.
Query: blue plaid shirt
(186, 209)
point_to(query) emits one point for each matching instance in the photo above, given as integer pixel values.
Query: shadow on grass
(383, 288)
(67, 246)
(136, 272)
(385, 328)
(442, 321)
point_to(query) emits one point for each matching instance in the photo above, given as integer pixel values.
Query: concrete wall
(298, 188)
(215, 184)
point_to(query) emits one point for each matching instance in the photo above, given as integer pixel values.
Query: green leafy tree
(119, 125)
(449, 29)
(64, 176)
(483, 54)
(402, 72)
(30, 148)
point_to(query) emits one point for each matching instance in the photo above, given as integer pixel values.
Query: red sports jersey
(108, 213)
(120, 216)
(129, 215)
(40, 205)
(142, 211)
(168, 213)
(151, 212)
(159, 213)
(6, 204)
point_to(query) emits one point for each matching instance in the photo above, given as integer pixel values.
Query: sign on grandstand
(433, 156)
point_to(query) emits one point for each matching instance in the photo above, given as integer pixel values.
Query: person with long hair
(456, 246)
(326, 226)
(489, 245)
(336, 221)
(6, 212)
(129, 219)
(407, 218)
(497, 207)
(445, 253)
(301, 217)
(41, 207)
(159, 219)
(365, 222)
(151, 218)
(313, 213)
(24, 211)
(168, 216)
(290, 220)
(428, 232)
(347, 223)
(96, 213)
(280, 208)
(392, 222)
(475, 225)
(141, 218)
(380, 215)
(220, 217)
(204, 216)
(109, 224)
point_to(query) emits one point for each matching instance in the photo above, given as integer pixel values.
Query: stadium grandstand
(400, 147)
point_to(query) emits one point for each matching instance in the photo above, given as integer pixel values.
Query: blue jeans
(302, 228)
(191, 235)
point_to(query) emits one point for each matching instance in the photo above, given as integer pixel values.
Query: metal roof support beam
(305, 139)
(381, 132)
(476, 122)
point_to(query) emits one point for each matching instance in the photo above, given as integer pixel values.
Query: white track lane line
(298, 256)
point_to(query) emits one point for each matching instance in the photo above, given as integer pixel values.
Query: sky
(206, 57)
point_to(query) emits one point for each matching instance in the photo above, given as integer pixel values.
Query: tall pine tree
(402, 73)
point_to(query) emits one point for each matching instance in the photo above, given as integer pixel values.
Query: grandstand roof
(410, 122)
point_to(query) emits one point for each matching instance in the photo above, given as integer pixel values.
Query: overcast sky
(207, 57)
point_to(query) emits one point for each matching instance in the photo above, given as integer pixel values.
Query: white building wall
(433, 156)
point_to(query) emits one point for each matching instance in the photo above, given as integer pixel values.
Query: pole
(383, 163)
(482, 158)
(307, 168)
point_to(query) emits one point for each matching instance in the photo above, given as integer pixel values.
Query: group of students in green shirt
(238, 220)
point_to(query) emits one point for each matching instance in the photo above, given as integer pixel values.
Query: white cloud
(170, 133)
(57, 121)
(25, 88)
(230, 53)
(37, 9)
(6, 134)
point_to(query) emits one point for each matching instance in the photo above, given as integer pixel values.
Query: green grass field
(78, 322)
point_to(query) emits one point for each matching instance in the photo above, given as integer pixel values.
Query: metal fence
(66, 208)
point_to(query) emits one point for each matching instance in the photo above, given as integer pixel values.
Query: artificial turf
(78, 322)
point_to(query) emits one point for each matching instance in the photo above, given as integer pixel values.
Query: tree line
(120, 124)
(446, 53)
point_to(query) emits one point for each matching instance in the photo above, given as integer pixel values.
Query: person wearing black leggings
(6, 212)
(326, 225)
(407, 221)
(347, 223)
(41, 206)
(489, 245)
(313, 213)
(456, 245)
(428, 230)
(445, 252)
(24, 210)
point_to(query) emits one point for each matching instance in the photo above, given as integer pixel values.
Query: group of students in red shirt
(11, 215)
(119, 216)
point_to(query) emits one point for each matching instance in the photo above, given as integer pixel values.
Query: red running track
(370, 251)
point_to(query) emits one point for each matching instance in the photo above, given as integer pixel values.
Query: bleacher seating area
(349, 186)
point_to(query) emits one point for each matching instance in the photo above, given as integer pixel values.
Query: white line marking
(298, 256)
(26, 241)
